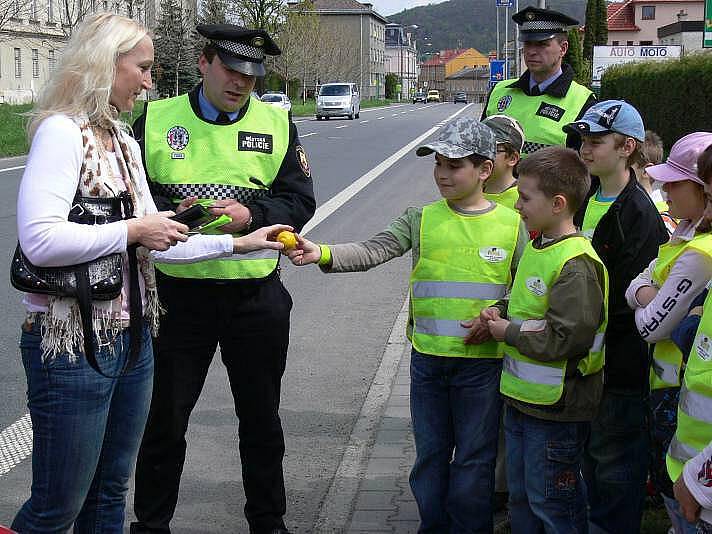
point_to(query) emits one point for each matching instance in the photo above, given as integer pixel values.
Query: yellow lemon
(288, 239)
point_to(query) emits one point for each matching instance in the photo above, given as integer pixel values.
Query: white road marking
(338, 200)
(364, 122)
(15, 444)
(12, 168)
(307, 135)
(380, 118)
(342, 126)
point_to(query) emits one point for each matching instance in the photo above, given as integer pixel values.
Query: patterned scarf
(62, 327)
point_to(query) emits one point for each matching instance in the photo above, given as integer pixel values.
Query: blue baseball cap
(609, 116)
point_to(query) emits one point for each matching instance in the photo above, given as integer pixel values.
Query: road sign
(707, 37)
(497, 71)
(605, 56)
(504, 3)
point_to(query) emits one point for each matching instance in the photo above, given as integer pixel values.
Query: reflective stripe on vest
(542, 117)
(666, 366)
(533, 373)
(694, 412)
(186, 156)
(524, 378)
(463, 267)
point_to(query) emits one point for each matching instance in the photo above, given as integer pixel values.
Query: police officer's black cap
(241, 49)
(536, 24)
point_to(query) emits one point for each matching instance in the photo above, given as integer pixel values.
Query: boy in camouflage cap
(460, 266)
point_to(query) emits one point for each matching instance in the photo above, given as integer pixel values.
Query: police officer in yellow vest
(243, 158)
(546, 96)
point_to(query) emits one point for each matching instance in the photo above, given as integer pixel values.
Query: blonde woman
(87, 424)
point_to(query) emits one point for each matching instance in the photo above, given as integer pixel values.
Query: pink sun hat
(681, 164)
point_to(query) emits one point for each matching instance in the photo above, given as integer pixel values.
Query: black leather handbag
(99, 279)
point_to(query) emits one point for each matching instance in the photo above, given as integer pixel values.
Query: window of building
(35, 63)
(18, 63)
(629, 43)
(51, 60)
(105, 5)
(647, 12)
(50, 10)
(33, 10)
(646, 43)
(615, 43)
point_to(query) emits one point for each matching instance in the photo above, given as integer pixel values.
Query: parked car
(278, 99)
(460, 97)
(433, 96)
(419, 97)
(338, 100)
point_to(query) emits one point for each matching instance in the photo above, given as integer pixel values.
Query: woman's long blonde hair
(81, 84)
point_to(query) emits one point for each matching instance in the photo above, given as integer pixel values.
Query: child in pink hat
(661, 295)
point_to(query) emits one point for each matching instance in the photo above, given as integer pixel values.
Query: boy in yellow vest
(460, 266)
(501, 187)
(626, 230)
(553, 354)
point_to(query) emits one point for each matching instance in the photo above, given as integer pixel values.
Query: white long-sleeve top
(698, 479)
(47, 190)
(687, 279)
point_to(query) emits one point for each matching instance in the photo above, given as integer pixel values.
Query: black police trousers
(250, 322)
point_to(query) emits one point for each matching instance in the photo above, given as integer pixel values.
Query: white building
(402, 58)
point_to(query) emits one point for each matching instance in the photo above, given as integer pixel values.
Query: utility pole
(496, 14)
(506, 42)
(516, 43)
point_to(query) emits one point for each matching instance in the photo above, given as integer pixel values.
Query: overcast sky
(389, 7)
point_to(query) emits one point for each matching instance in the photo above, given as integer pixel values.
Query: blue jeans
(546, 489)
(455, 406)
(86, 434)
(679, 523)
(616, 462)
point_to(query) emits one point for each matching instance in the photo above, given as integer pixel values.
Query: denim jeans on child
(546, 489)
(455, 406)
(616, 462)
(679, 523)
(86, 432)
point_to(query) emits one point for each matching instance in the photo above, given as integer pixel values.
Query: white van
(338, 100)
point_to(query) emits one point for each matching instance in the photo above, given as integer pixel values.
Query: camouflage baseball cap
(461, 138)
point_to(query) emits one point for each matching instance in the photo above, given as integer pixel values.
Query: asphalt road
(365, 175)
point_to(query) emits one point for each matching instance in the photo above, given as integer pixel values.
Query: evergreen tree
(574, 57)
(175, 50)
(596, 30)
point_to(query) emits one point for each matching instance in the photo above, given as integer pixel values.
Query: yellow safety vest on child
(524, 378)
(463, 267)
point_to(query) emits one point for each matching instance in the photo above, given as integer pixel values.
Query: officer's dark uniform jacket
(290, 198)
(626, 239)
(557, 89)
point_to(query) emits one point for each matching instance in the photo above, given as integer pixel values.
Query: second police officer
(545, 97)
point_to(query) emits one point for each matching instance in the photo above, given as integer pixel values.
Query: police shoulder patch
(504, 102)
(177, 138)
(303, 161)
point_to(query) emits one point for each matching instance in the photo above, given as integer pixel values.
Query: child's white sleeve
(643, 279)
(698, 477)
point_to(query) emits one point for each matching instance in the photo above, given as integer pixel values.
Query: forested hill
(470, 23)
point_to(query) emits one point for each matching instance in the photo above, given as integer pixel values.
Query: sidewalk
(384, 502)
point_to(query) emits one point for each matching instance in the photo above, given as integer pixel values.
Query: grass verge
(13, 138)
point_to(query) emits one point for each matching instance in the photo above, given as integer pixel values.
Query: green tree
(213, 12)
(574, 57)
(596, 29)
(175, 49)
(297, 37)
(392, 80)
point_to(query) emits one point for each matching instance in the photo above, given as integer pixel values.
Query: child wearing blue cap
(626, 230)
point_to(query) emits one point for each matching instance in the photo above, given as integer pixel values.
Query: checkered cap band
(542, 26)
(214, 191)
(241, 49)
(533, 147)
